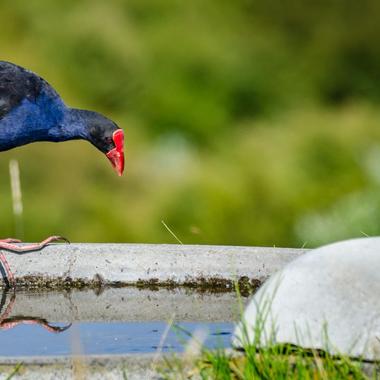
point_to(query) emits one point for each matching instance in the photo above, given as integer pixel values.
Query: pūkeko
(30, 111)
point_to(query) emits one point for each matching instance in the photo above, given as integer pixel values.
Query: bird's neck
(72, 126)
(47, 119)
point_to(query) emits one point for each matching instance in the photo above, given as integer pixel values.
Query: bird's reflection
(7, 322)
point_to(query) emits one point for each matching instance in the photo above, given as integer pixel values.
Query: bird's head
(105, 135)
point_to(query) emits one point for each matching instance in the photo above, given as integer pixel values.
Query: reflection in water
(116, 321)
(7, 322)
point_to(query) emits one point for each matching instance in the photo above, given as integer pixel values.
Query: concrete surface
(332, 290)
(131, 367)
(124, 304)
(154, 264)
(102, 266)
(143, 367)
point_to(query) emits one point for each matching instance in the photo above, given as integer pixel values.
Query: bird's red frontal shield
(116, 155)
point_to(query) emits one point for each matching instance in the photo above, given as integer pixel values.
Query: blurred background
(247, 122)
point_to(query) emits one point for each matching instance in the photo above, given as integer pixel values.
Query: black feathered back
(17, 84)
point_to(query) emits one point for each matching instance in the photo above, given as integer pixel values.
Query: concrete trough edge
(147, 264)
(142, 366)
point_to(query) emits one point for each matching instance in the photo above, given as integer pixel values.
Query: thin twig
(171, 232)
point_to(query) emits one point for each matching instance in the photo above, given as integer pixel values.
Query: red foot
(10, 240)
(9, 323)
(9, 245)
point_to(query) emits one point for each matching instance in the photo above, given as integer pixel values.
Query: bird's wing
(17, 84)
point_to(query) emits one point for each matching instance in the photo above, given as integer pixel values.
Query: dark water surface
(109, 338)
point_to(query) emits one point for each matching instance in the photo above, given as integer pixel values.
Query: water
(113, 321)
(108, 338)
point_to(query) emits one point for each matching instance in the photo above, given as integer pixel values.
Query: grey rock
(327, 299)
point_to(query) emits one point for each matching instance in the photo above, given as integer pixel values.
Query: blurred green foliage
(248, 122)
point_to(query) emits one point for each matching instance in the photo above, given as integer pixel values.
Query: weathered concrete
(124, 304)
(148, 264)
(143, 367)
(131, 367)
(104, 265)
(332, 291)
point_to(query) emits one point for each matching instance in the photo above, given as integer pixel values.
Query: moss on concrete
(202, 284)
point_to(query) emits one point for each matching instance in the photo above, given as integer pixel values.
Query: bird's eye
(109, 140)
(94, 131)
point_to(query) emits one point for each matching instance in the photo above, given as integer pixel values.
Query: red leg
(8, 323)
(13, 322)
(9, 245)
(9, 308)
(7, 268)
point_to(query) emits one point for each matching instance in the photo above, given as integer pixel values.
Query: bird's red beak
(116, 155)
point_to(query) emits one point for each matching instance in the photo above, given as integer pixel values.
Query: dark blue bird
(31, 110)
